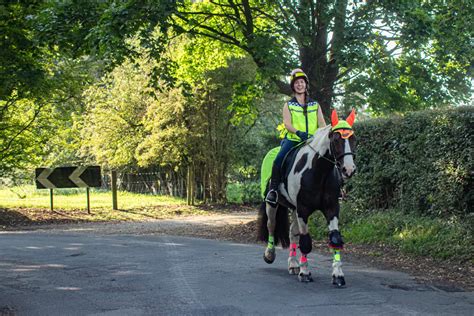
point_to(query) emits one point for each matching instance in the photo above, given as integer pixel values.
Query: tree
(219, 92)
(39, 92)
(347, 47)
(24, 80)
(336, 41)
(112, 126)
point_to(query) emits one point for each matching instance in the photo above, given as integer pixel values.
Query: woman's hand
(303, 135)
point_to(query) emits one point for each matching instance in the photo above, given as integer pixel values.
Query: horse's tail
(282, 228)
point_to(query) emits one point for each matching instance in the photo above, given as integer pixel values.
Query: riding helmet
(296, 74)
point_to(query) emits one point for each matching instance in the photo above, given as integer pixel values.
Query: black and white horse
(313, 182)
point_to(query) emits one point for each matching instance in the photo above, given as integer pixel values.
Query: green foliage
(419, 55)
(165, 139)
(112, 126)
(247, 192)
(102, 28)
(420, 163)
(24, 86)
(39, 95)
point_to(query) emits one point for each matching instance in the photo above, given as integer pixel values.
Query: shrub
(420, 163)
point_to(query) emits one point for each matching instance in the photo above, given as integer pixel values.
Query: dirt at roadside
(239, 225)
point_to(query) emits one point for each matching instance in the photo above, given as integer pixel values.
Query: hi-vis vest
(306, 122)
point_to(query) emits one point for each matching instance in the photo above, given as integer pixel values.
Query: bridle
(336, 161)
(338, 158)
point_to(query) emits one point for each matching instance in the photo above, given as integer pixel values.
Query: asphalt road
(44, 273)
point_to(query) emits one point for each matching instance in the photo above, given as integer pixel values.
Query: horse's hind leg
(293, 264)
(269, 255)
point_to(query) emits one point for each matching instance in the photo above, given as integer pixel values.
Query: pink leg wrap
(303, 259)
(293, 250)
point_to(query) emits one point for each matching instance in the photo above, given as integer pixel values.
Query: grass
(27, 205)
(69, 199)
(411, 233)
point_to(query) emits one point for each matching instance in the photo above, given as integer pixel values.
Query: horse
(315, 174)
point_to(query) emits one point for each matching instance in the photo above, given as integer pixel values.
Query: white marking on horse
(348, 159)
(337, 268)
(334, 224)
(303, 227)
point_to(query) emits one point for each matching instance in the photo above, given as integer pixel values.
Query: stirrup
(272, 202)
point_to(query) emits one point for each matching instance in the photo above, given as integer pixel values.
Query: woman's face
(300, 85)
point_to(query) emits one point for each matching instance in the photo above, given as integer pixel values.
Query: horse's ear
(334, 118)
(351, 118)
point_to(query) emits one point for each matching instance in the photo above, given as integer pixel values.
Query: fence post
(88, 201)
(114, 190)
(188, 185)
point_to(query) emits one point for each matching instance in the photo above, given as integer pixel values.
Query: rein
(335, 159)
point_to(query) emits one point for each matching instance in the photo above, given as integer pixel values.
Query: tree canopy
(422, 49)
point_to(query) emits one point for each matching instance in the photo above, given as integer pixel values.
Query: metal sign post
(68, 177)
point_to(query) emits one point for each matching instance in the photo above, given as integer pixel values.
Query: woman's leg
(272, 195)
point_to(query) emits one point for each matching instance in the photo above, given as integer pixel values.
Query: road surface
(77, 273)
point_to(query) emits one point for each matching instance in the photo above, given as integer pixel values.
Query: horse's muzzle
(348, 172)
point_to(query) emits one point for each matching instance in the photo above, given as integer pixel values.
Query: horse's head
(343, 143)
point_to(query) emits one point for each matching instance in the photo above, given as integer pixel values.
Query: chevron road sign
(68, 177)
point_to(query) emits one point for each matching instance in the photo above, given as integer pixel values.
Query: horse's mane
(320, 141)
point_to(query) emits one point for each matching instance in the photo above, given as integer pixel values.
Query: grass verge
(27, 206)
(410, 233)
(68, 199)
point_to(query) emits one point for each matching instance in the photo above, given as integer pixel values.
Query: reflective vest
(305, 122)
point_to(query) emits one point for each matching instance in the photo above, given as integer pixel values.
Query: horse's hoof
(269, 260)
(269, 255)
(305, 277)
(338, 281)
(294, 271)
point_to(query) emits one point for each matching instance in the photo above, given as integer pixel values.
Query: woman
(301, 117)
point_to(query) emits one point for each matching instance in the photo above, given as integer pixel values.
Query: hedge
(421, 162)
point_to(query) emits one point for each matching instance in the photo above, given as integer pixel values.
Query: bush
(419, 163)
(244, 192)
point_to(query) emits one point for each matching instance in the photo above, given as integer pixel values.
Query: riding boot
(272, 195)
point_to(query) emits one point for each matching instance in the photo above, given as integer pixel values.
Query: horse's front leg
(306, 246)
(293, 264)
(269, 255)
(336, 244)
